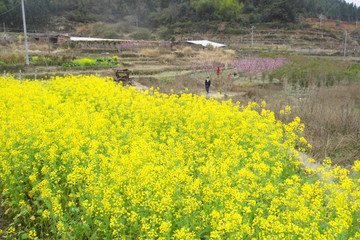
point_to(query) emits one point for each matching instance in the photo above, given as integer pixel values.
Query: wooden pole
(252, 36)
(346, 38)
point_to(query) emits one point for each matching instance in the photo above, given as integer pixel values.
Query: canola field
(83, 158)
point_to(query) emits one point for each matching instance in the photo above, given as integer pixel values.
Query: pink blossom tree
(252, 66)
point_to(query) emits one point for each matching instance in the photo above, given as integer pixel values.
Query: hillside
(169, 15)
(310, 37)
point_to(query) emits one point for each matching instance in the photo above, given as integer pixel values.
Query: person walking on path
(207, 84)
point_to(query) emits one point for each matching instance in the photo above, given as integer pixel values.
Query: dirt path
(305, 159)
(315, 166)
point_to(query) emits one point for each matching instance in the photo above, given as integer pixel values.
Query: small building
(112, 43)
(206, 43)
(53, 38)
(92, 39)
(63, 38)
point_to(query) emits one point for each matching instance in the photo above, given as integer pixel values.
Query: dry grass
(34, 47)
(331, 116)
(39, 47)
(167, 58)
(224, 56)
(230, 53)
(13, 57)
(178, 84)
(150, 52)
(187, 52)
(333, 119)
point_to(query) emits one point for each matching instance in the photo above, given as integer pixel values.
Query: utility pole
(252, 36)
(4, 35)
(25, 33)
(48, 38)
(321, 18)
(320, 22)
(346, 38)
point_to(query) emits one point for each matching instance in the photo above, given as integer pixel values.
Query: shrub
(141, 34)
(230, 53)
(353, 71)
(187, 51)
(166, 33)
(315, 71)
(85, 62)
(115, 58)
(67, 45)
(13, 58)
(111, 34)
(109, 61)
(35, 59)
(123, 27)
(69, 65)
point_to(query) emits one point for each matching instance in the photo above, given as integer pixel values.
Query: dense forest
(157, 13)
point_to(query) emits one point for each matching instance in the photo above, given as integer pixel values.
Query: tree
(205, 9)
(230, 9)
(282, 11)
(167, 12)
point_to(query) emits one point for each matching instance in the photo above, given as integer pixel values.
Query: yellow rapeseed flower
(102, 160)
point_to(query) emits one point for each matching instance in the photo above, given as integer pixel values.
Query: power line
(6, 12)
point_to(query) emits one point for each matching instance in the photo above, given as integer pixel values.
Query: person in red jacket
(218, 71)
